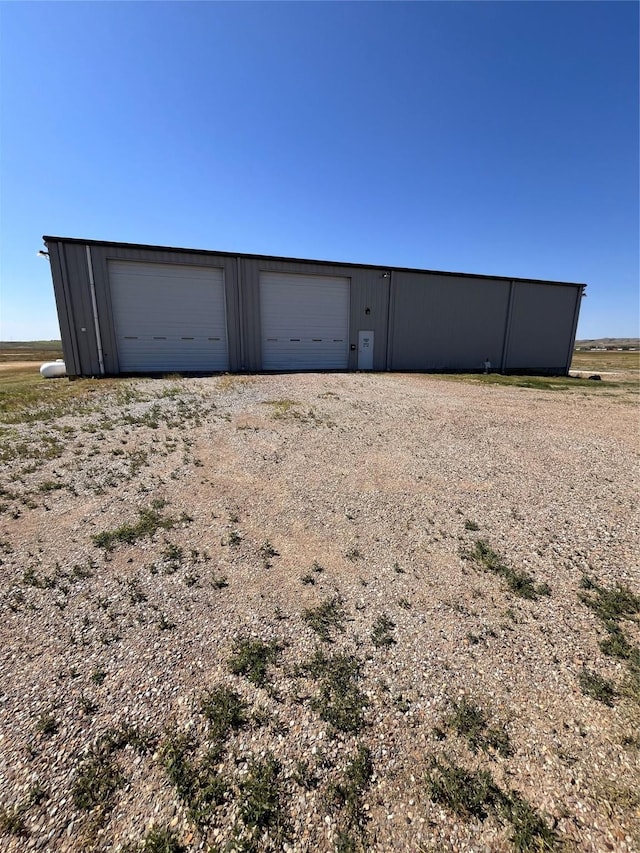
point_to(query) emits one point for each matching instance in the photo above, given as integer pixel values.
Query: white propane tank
(52, 369)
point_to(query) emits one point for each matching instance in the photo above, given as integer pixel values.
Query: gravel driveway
(321, 612)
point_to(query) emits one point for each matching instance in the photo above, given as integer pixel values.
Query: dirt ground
(421, 594)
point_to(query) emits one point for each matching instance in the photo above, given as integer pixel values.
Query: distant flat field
(30, 351)
(627, 364)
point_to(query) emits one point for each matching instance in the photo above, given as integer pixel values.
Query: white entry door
(365, 350)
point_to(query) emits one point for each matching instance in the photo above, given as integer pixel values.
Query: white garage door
(305, 322)
(168, 317)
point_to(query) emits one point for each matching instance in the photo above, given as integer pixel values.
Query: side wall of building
(542, 327)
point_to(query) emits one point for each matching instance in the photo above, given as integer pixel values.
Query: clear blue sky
(497, 138)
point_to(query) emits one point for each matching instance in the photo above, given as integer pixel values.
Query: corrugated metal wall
(420, 320)
(542, 327)
(447, 322)
(369, 291)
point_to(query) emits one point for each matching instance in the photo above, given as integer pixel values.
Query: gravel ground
(266, 497)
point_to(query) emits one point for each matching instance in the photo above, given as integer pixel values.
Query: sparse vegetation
(347, 795)
(224, 711)
(198, 784)
(466, 793)
(12, 820)
(519, 582)
(97, 780)
(476, 795)
(93, 636)
(612, 605)
(597, 687)
(382, 636)
(469, 721)
(47, 724)
(326, 618)
(267, 552)
(252, 657)
(260, 795)
(149, 522)
(162, 840)
(340, 700)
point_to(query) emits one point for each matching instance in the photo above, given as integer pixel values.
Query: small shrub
(97, 780)
(259, 802)
(47, 724)
(519, 582)
(172, 555)
(325, 618)
(251, 658)
(597, 687)
(224, 711)
(347, 794)
(149, 522)
(530, 831)
(610, 605)
(118, 737)
(267, 552)
(162, 840)
(471, 525)
(470, 721)
(12, 821)
(165, 624)
(381, 635)
(234, 538)
(340, 701)
(465, 793)
(175, 754)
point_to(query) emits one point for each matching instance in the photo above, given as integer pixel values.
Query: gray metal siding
(69, 265)
(370, 293)
(542, 325)
(447, 323)
(65, 311)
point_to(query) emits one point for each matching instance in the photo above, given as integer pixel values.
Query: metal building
(126, 308)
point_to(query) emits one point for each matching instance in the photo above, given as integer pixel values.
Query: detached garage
(129, 308)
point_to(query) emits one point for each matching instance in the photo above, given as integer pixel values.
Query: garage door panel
(305, 322)
(168, 317)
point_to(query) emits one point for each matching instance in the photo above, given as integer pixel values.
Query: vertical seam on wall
(240, 317)
(507, 328)
(390, 312)
(94, 306)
